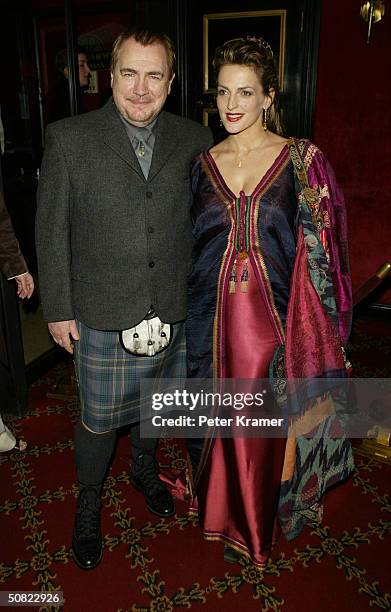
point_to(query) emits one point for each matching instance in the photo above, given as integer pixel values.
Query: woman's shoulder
(206, 158)
(197, 169)
(218, 149)
(308, 151)
(277, 139)
(304, 145)
(196, 162)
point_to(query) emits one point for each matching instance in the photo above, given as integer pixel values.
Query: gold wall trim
(205, 115)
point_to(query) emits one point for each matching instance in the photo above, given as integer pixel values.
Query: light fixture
(372, 11)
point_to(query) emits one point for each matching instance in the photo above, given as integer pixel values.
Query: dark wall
(18, 77)
(353, 127)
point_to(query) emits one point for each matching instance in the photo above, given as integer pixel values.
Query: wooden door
(290, 26)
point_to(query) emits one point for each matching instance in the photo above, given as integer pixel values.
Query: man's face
(84, 70)
(141, 81)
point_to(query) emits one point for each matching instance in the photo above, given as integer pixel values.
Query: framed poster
(220, 27)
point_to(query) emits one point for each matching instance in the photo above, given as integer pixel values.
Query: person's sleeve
(334, 236)
(195, 170)
(17, 276)
(12, 262)
(53, 232)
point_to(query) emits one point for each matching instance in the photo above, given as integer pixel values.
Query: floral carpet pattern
(164, 565)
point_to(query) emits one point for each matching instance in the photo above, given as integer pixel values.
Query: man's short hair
(145, 38)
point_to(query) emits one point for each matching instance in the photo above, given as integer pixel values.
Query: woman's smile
(233, 117)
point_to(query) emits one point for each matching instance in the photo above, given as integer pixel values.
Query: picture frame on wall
(220, 27)
(210, 117)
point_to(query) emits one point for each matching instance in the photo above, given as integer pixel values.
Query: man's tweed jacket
(111, 243)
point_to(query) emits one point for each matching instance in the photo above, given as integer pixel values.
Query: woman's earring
(221, 122)
(264, 119)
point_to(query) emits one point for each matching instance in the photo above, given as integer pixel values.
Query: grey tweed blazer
(111, 243)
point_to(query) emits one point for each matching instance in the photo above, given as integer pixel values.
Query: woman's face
(240, 97)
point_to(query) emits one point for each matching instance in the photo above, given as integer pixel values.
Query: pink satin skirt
(238, 488)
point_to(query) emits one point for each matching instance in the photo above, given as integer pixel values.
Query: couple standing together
(120, 189)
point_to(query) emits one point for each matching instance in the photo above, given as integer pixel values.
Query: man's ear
(170, 83)
(111, 79)
(66, 72)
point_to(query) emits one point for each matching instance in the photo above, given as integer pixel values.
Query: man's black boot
(87, 549)
(145, 478)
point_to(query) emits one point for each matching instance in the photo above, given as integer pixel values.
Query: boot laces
(88, 511)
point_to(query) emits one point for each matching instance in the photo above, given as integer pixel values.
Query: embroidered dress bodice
(240, 235)
(239, 268)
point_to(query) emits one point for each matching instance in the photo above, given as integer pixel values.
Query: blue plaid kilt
(109, 377)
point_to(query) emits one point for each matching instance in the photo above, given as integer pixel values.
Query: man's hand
(25, 285)
(63, 332)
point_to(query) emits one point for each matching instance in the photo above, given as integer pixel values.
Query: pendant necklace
(241, 156)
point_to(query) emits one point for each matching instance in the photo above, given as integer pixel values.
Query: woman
(269, 290)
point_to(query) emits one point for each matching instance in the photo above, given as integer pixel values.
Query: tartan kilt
(109, 377)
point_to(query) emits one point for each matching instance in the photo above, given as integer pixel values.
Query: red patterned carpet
(163, 565)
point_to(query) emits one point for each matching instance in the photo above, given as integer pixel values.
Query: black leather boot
(87, 549)
(145, 478)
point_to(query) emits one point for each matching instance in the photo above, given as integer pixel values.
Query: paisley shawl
(318, 324)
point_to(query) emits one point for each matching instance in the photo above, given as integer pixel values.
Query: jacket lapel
(165, 144)
(115, 137)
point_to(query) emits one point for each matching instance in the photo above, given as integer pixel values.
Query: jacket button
(151, 229)
(149, 194)
(151, 264)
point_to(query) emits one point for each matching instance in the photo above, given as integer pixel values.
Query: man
(58, 103)
(113, 240)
